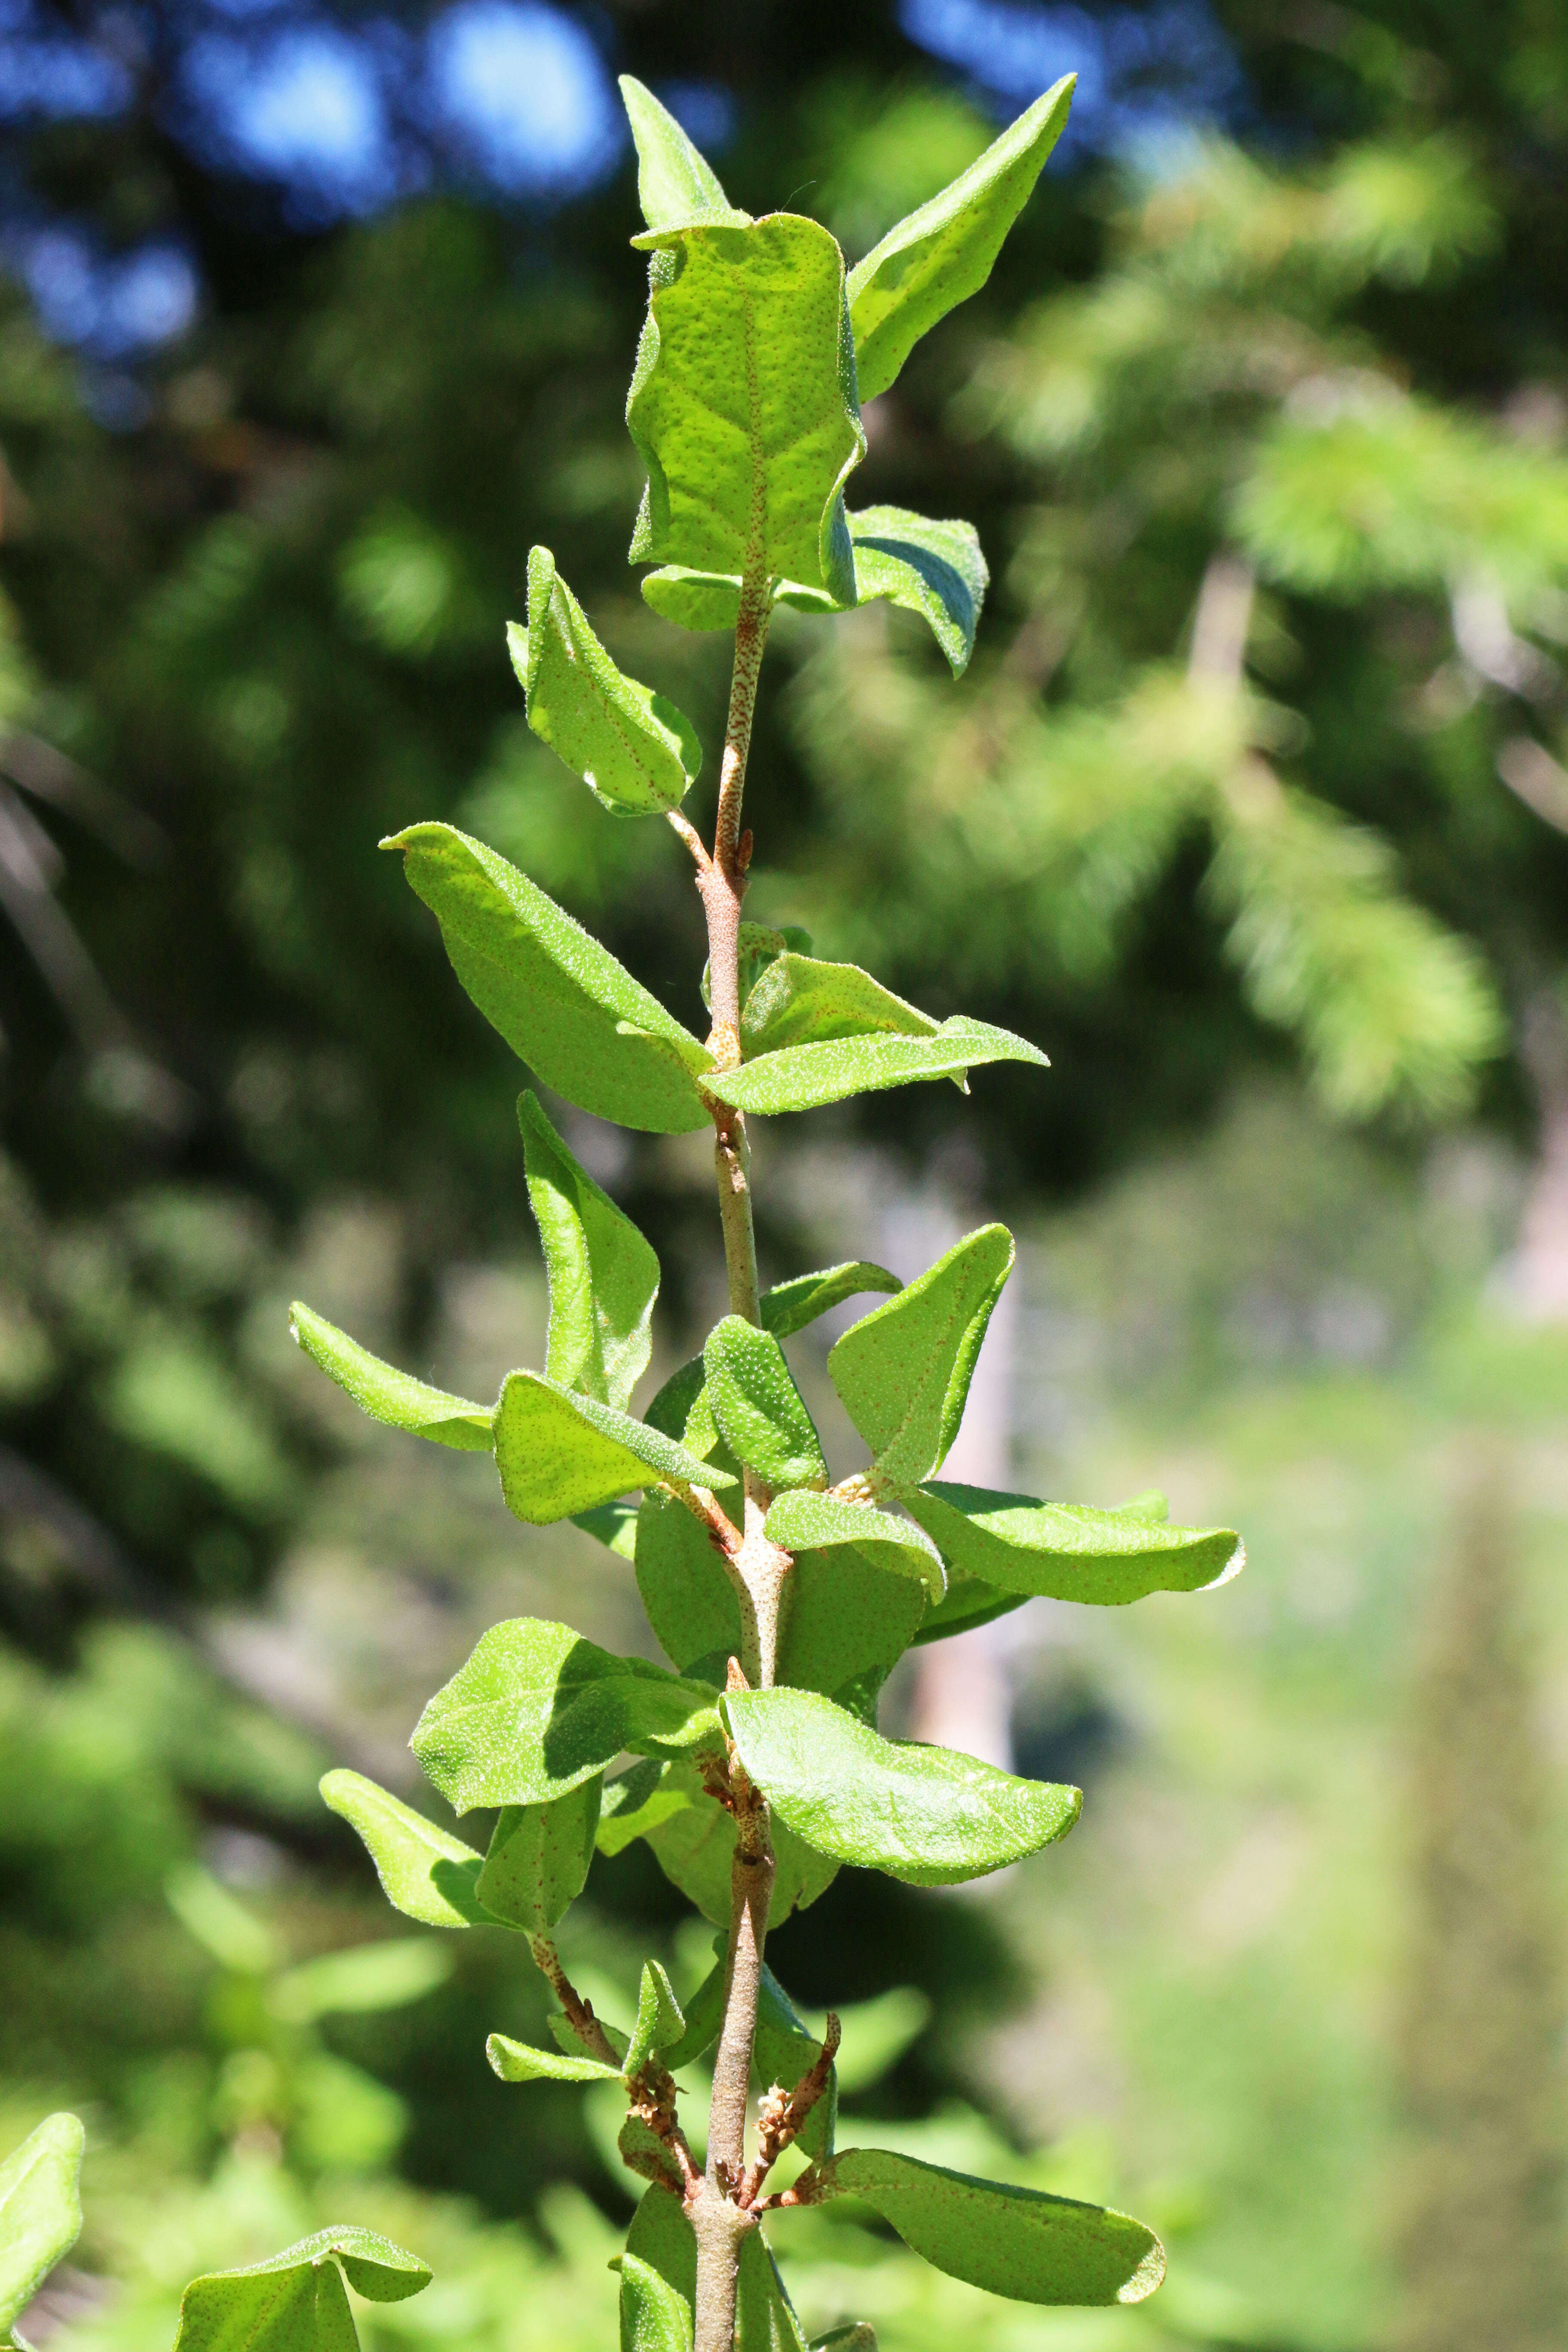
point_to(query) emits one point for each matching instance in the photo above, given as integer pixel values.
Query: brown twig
(579, 2010)
(784, 2112)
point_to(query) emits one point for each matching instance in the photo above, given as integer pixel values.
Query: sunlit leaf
(677, 185)
(943, 252)
(561, 1001)
(538, 1859)
(690, 1602)
(654, 2318)
(636, 1802)
(807, 1522)
(659, 2023)
(802, 1077)
(520, 2062)
(537, 1710)
(929, 1815)
(296, 2302)
(387, 1395)
(614, 1525)
(903, 1371)
(558, 1454)
(424, 1872)
(41, 2209)
(758, 1408)
(1068, 1550)
(845, 1615)
(969, 1602)
(632, 749)
(695, 1848)
(789, 1306)
(602, 1274)
(1012, 2241)
(801, 1000)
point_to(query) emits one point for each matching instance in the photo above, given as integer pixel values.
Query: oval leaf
(803, 1522)
(654, 2317)
(758, 1408)
(845, 1615)
(941, 254)
(520, 2062)
(295, 2301)
(789, 1306)
(602, 1274)
(799, 1000)
(742, 405)
(802, 1077)
(690, 1602)
(1069, 1552)
(390, 1396)
(935, 569)
(424, 1872)
(561, 1001)
(558, 1454)
(538, 1860)
(41, 2209)
(928, 1815)
(903, 1371)
(1012, 2241)
(536, 1711)
(636, 751)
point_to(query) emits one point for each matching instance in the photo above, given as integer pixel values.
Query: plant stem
(718, 2219)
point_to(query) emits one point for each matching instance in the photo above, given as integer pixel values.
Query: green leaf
(758, 1407)
(367, 1978)
(970, 1602)
(389, 1396)
(742, 405)
(1069, 1552)
(558, 1454)
(614, 1525)
(659, 2025)
(654, 2318)
(538, 1859)
(903, 1371)
(41, 2209)
(806, 1522)
(561, 1001)
(536, 1711)
(1012, 2241)
(677, 185)
(633, 749)
(845, 1615)
(690, 1600)
(704, 2018)
(789, 1306)
(802, 1077)
(935, 569)
(801, 1000)
(942, 253)
(696, 1847)
(520, 2062)
(783, 2053)
(603, 1276)
(636, 1802)
(424, 1872)
(296, 2302)
(662, 2242)
(928, 1815)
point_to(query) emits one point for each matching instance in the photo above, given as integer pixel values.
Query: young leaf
(536, 1711)
(654, 2318)
(941, 254)
(903, 1371)
(633, 749)
(845, 1615)
(424, 1872)
(789, 1306)
(660, 2025)
(802, 1522)
(1069, 1552)
(801, 1000)
(296, 2302)
(696, 1848)
(393, 1397)
(603, 1276)
(758, 1407)
(677, 185)
(784, 2051)
(558, 1454)
(690, 1603)
(935, 569)
(538, 1859)
(1012, 2241)
(520, 2062)
(743, 406)
(636, 1802)
(614, 1525)
(561, 1001)
(41, 2209)
(970, 1602)
(928, 1815)
(803, 1078)
(704, 2017)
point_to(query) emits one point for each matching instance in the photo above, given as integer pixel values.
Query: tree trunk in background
(963, 1687)
(1481, 2241)
(1538, 1278)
